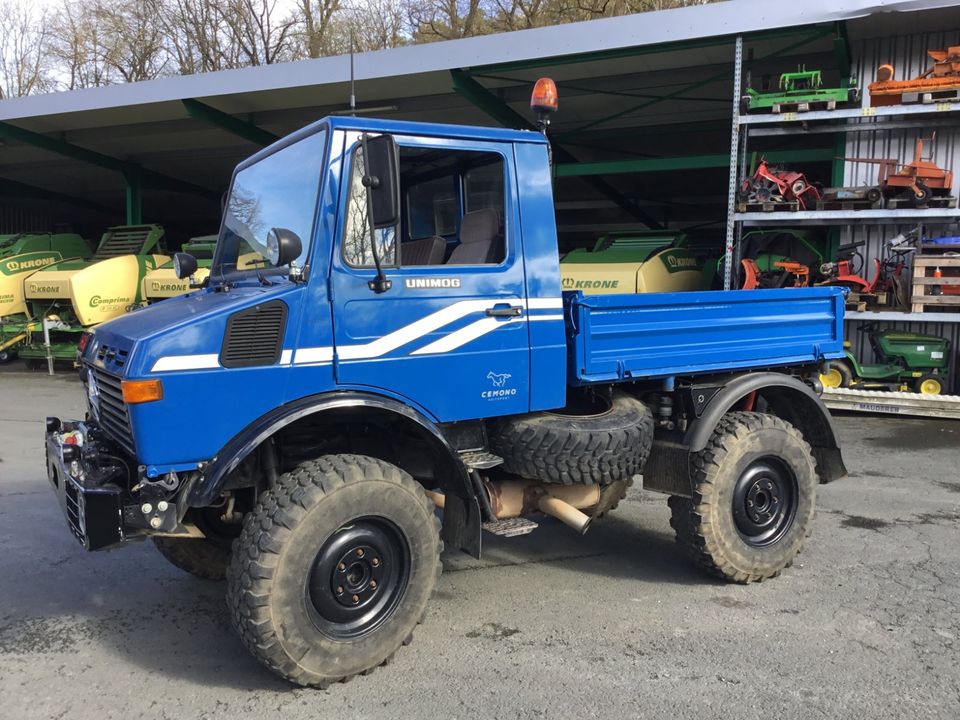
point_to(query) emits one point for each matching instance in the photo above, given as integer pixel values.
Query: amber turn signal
(544, 98)
(141, 391)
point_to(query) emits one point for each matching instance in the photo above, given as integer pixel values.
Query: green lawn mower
(908, 362)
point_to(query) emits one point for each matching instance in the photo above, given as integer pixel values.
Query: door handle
(505, 311)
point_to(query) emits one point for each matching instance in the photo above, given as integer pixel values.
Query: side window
(432, 209)
(452, 211)
(356, 238)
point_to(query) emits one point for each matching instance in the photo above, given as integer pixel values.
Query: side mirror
(184, 265)
(283, 246)
(382, 180)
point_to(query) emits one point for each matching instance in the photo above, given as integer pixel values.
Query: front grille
(254, 336)
(114, 418)
(74, 508)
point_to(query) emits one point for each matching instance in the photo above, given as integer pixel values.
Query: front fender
(233, 453)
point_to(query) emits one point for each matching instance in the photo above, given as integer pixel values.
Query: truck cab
(383, 334)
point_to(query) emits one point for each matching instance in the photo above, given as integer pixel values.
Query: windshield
(279, 191)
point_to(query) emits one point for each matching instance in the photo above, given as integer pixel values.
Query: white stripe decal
(393, 340)
(313, 355)
(545, 303)
(186, 362)
(465, 335)
(416, 330)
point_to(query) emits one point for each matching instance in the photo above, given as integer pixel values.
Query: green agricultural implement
(799, 92)
(633, 262)
(908, 362)
(21, 256)
(70, 296)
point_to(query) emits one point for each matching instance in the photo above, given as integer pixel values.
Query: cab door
(450, 333)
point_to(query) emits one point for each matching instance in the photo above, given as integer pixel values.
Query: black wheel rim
(357, 578)
(765, 502)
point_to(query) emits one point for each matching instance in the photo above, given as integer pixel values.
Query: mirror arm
(380, 284)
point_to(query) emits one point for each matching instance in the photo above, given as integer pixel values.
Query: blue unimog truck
(400, 344)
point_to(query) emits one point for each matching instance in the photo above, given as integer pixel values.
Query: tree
(24, 68)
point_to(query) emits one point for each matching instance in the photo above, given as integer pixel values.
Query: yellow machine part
(163, 283)
(13, 270)
(99, 292)
(666, 271)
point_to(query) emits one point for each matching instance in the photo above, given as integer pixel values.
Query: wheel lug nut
(375, 562)
(339, 590)
(373, 584)
(341, 567)
(360, 552)
(749, 503)
(355, 598)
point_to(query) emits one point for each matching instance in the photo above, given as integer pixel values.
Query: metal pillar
(734, 146)
(134, 198)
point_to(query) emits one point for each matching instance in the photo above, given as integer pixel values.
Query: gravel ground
(614, 624)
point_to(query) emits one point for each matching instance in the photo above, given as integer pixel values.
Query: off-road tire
(569, 449)
(198, 556)
(705, 525)
(282, 540)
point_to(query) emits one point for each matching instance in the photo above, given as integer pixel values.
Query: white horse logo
(498, 379)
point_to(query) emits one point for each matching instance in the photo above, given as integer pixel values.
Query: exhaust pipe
(518, 498)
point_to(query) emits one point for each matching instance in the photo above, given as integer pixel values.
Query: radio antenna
(353, 97)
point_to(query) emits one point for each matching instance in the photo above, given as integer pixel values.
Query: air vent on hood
(254, 336)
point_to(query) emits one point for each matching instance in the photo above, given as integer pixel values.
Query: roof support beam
(818, 33)
(149, 178)
(493, 106)
(14, 188)
(685, 162)
(217, 118)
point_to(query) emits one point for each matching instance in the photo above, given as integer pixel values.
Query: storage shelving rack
(924, 116)
(841, 120)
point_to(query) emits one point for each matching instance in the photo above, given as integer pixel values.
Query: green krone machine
(23, 255)
(908, 361)
(72, 296)
(801, 91)
(633, 262)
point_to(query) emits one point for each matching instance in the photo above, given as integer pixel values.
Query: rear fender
(786, 396)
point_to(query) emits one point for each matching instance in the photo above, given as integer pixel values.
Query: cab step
(480, 459)
(511, 527)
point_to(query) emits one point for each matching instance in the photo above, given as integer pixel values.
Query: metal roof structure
(645, 107)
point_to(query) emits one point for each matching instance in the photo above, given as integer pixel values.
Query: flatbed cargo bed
(632, 337)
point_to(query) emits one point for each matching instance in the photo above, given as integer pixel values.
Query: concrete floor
(615, 624)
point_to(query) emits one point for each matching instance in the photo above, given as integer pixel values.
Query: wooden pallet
(863, 204)
(795, 107)
(769, 206)
(924, 285)
(943, 96)
(940, 203)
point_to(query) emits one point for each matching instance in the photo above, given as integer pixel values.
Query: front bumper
(103, 496)
(90, 480)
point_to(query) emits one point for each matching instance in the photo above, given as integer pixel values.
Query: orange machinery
(919, 179)
(940, 82)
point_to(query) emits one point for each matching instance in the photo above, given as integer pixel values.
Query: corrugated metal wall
(908, 54)
(24, 216)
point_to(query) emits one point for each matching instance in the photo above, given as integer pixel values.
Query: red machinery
(940, 82)
(919, 179)
(770, 184)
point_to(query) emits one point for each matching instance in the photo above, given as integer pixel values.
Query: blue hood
(192, 324)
